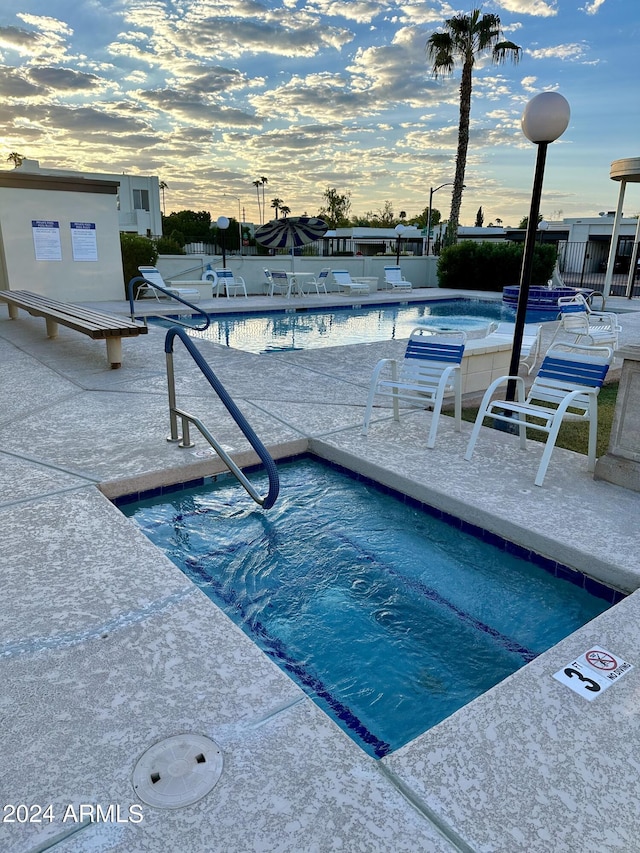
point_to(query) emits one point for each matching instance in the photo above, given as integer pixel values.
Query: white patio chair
(594, 328)
(231, 284)
(531, 336)
(349, 285)
(153, 280)
(281, 282)
(318, 282)
(394, 279)
(566, 387)
(429, 370)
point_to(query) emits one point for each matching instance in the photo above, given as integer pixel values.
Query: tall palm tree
(284, 210)
(263, 181)
(277, 204)
(15, 158)
(465, 39)
(257, 186)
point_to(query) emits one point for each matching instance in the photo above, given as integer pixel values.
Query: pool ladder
(265, 501)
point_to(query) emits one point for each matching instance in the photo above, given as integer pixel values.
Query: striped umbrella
(291, 232)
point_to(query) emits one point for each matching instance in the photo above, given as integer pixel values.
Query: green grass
(575, 436)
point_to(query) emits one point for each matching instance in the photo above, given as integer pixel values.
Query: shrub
(492, 266)
(136, 251)
(167, 246)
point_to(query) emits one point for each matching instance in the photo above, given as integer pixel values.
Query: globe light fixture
(545, 119)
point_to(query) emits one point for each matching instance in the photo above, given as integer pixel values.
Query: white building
(138, 197)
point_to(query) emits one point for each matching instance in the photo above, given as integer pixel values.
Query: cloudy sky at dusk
(211, 95)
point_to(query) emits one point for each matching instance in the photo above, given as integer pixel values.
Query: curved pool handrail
(265, 457)
(173, 295)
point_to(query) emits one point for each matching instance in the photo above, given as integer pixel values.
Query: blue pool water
(389, 618)
(283, 331)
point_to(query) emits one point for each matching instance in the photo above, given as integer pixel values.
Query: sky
(211, 95)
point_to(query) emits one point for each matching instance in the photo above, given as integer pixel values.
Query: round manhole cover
(177, 771)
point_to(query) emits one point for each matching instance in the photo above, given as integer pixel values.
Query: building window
(141, 200)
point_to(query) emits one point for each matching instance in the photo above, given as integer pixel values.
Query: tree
(466, 39)
(284, 210)
(15, 158)
(277, 204)
(384, 216)
(162, 187)
(189, 223)
(256, 184)
(479, 218)
(263, 181)
(524, 222)
(336, 207)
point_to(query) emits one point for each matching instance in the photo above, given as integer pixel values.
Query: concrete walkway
(106, 648)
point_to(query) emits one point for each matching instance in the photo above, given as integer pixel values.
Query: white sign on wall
(83, 241)
(46, 239)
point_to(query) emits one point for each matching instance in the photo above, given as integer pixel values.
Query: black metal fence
(585, 265)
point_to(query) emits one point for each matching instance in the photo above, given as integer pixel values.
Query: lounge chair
(349, 285)
(281, 282)
(394, 279)
(430, 369)
(231, 284)
(153, 280)
(530, 349)
(566, 387)
(594, 328)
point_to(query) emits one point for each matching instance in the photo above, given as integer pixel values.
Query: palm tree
(257, 185)
(162, 187)
(263, 181)
(466, 38)
(15, 158)
(277, 204)
(284, 210)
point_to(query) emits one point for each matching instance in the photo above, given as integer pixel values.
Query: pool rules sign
(593, 672)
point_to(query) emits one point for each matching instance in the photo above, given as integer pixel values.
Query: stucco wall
(23, 201)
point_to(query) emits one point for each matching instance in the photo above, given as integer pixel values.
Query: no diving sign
(593, 672)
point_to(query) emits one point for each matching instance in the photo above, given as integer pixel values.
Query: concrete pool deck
(106, 648)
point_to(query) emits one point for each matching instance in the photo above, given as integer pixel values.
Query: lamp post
(431, 192)
(398, 229)
(223, 223)
(545, 119)
(239, 221)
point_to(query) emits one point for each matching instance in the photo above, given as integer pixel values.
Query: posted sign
(593, 672)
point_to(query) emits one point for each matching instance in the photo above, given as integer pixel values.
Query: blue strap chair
(429, 370)
(566, 387)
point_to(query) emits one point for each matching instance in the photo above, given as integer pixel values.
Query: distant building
(138, 197)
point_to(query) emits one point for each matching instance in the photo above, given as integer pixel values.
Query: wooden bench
(97, 325)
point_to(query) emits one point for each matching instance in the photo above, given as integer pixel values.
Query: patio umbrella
(291, 232)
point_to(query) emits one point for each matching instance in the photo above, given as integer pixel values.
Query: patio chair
(153, 280)
(594, 328)
(281, 282)
(319, 282)
(267, 275)
(566, 387)
(429, 370)
(228, 282)
(394, 279)
(349, 285)
(531, 335)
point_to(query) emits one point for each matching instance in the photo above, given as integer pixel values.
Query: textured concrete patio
(106, 647)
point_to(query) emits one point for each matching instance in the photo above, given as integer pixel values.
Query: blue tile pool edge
(558, 570)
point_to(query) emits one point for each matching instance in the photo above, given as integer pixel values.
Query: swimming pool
(388, 617)
(284, 331)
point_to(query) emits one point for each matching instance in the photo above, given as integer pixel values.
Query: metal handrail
(171, 294)
(185, 441)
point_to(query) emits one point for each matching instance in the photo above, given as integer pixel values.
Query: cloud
(183, 106)
(594, 7)
(13, 84)
(63, 79)
(565, 52)
(537, 8)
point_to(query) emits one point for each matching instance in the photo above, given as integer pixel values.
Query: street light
(223, 223)
(545, 119)
(398, 229)
(239, 221)
(431, 192)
